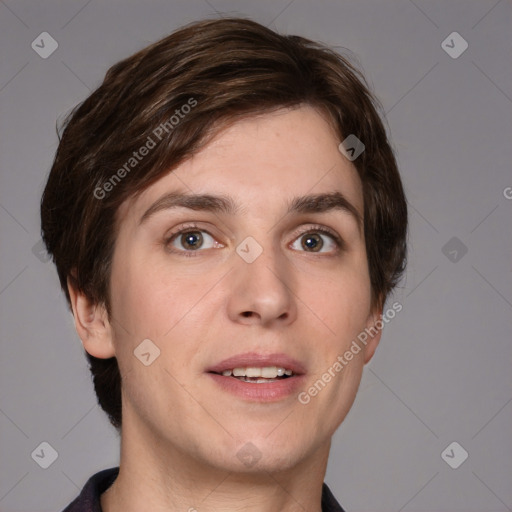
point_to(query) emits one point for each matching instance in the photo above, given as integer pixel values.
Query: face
(261, 278)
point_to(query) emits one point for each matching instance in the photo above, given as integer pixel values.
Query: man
(227, 220)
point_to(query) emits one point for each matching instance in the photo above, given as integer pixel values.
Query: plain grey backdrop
(442, 372)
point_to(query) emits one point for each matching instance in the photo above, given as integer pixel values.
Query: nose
(261, 291)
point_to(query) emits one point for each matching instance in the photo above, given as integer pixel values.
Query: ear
(92, 324)
(374, 329)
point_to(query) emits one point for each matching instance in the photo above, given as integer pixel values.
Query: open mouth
(256, 377)
(263, 375)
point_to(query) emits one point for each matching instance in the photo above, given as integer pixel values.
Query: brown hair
(222, 70)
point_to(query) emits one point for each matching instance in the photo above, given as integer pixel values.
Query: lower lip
(264, 392)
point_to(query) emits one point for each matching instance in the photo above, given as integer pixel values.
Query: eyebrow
(313, 203)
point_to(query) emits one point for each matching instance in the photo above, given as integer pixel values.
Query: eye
(312, 240)
(190, 239)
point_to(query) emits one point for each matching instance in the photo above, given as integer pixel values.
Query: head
(224, 108)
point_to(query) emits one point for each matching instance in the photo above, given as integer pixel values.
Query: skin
(181, 432)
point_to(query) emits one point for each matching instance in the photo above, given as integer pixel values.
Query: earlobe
(374, 330)
(92, 324)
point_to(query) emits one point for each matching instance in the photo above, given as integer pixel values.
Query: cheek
(153, 301)
(349, 308)
(344, 307)
(342, 301)
(150, 305)
(145, 299)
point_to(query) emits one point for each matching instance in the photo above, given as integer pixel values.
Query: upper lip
(254, 359)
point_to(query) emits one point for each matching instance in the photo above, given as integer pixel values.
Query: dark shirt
(89, 498)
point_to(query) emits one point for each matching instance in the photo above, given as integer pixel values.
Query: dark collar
(89, 498)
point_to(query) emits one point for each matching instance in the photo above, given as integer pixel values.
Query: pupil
(191, 239)
(311, 242)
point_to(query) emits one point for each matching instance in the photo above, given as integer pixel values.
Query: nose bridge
(261, 254)
(262, 282)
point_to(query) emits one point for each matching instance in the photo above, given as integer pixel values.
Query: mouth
(258, 377)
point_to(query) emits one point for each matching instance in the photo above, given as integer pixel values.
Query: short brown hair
(223, 69)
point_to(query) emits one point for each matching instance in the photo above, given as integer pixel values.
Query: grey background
(442, 371)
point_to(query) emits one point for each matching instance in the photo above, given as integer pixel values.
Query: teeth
(271, 372)
(253, 372)
(267, 372)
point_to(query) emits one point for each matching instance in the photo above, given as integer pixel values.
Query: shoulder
(89, 499)
(329, 502)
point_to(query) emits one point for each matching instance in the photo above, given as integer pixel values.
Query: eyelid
(184, 228)
(320, 228)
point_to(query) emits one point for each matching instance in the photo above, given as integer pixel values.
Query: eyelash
(194, 227)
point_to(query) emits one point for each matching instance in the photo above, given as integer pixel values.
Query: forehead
(265, 161)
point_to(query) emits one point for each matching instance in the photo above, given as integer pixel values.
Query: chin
(248, 461)
(257, 453)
